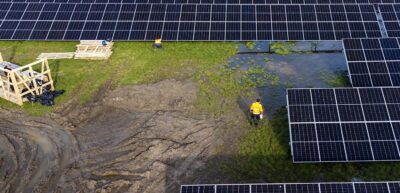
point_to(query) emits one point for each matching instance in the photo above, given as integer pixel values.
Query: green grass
(282, 48)
(338, 78)
(264, 154)
(131, 63)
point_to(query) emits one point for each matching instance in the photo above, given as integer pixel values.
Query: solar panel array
(373, 62)
(356, 187)
(55, 21)
(216, 1)
(344, 124)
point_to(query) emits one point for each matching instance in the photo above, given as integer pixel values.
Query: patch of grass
(221, 87)
(250, 45)
(131, 63)
(338, 78)
(282, 48)
(264, 154)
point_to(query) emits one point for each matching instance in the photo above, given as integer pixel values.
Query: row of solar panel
(373, 62)
(359, 187)
(344, 124)
(345, 142)
(217, 1)
(343, 96)
(179, 35)
(113, 7)
(337, 112)
(227, 22)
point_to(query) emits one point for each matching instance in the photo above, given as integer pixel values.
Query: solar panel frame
(347, 147)
(322, 187)
(216, 1)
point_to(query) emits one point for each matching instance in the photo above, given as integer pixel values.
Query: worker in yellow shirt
(157, 43)
(256, 111)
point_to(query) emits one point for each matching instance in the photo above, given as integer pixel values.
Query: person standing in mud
(256, 112)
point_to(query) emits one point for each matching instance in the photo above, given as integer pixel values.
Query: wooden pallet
(60, 55)
(93, 50)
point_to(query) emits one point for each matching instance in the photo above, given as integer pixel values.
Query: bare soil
(143, 138)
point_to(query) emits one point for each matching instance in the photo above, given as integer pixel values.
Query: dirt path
(141, 139)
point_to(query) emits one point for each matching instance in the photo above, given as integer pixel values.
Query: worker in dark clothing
(256, 111)
(157, 43)
(7, 67)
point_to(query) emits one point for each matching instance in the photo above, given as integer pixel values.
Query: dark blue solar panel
(351, 124)
(225, 22)
(338, 187)
(373, 62)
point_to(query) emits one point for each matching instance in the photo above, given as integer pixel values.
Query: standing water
(300, 68)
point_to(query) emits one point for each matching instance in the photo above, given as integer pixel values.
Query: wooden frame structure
(20, 81)
(93, 50)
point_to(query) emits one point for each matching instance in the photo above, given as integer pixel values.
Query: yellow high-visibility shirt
(257, 108)
(157, 41)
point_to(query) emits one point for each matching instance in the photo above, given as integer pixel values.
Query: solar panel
(344, 124)
(390, 16)
(215, 1)
(373, 62)
(185, 22)
(336, 187)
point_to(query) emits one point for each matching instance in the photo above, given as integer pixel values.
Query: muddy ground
(144, 139)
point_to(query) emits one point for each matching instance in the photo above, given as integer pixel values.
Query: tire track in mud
(33, 155)
(136, 139)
